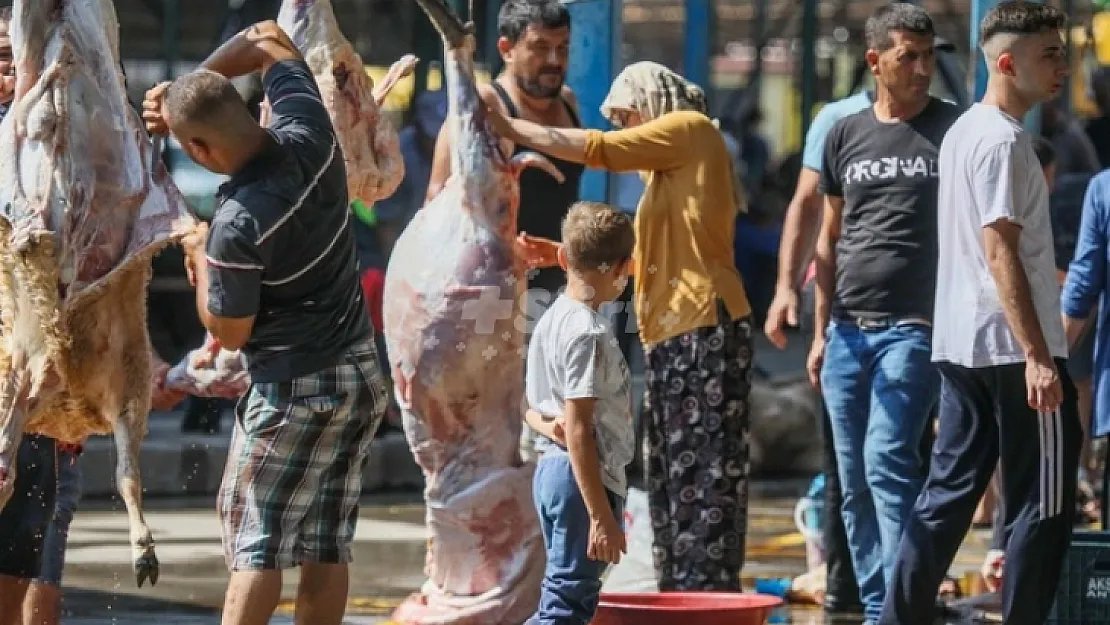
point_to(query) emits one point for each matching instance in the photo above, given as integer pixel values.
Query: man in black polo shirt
(278, 278)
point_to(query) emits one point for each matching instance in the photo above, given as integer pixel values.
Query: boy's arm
(581, 373)
(586, 465)
(551, 428)
(582, 449)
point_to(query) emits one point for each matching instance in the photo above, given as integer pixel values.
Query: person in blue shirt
(803, 216)
(1087, 282)
(799, 234)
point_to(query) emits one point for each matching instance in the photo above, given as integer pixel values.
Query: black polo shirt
(281, 245)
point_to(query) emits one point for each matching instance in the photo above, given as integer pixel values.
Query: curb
(178, 464)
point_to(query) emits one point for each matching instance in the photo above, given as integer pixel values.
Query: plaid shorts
(293, 478)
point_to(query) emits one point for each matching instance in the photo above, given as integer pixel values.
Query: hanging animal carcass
(83, 211)
(456, 353)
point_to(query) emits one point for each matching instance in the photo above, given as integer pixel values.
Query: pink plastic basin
(670, 608)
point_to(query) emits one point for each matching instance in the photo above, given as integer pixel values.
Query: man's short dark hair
(1017, 17)
(516, 16)
(896, 16)
(204, 97)
(1046, 154)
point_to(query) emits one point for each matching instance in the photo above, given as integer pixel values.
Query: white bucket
(807, 518)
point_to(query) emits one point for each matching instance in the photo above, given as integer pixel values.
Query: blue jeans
(879, 387)
(572, 581)
(65, 505)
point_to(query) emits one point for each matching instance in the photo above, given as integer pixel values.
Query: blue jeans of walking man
(879, 386)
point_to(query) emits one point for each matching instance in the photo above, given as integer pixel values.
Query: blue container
(775, 587)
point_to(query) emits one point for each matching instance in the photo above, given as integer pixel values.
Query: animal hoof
(146, 567)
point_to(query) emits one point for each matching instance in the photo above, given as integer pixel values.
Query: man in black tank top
(534, 40)
(544, 202)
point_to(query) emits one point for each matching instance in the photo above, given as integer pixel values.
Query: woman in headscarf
(692, 310)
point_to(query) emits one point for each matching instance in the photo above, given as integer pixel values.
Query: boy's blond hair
(596, 236)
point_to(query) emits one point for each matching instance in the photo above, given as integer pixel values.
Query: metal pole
(1067, 6)
(171, 20)
(493, 57)
(978, 66)
(594, 61)
(699, 39)
(761, 43)
(809, 61)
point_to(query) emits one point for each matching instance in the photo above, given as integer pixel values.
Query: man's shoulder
(851, 126)
(974, 136)
(252, 209)
(838, 109)
(569, 97)
(492, 97)
(1098, 190)
(1101, 180)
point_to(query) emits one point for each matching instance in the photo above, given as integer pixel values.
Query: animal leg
(129, 433)
(532, 159)
(401, 68)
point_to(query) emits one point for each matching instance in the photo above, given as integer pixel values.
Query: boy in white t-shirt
(578, 390)
(998, 339)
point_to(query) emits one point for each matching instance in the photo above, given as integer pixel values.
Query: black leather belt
(884, 323)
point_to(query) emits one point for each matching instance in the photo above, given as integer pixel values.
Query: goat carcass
(371, 150)
(82, 214)
(371, 153)
(456, 355)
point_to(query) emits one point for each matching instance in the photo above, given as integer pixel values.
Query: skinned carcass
(83, 212)
(457, 359)
(369, 142)
(371, 153)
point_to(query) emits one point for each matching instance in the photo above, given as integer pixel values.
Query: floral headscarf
(652, 90)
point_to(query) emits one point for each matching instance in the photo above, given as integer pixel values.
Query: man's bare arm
(826, 264)
(254, 49)
(799, 229)
(1001, 240)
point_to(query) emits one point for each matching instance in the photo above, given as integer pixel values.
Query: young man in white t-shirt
(580, 399)
(998, 339)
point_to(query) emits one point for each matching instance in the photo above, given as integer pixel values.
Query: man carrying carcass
(277, 278)
(24, 521)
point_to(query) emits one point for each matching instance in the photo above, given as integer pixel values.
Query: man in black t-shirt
(876, 271)
(278, 278)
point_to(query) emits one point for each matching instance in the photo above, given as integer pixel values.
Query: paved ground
(389, 559)
(180, 474)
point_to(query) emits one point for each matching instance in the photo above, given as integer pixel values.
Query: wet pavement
(389, 557)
